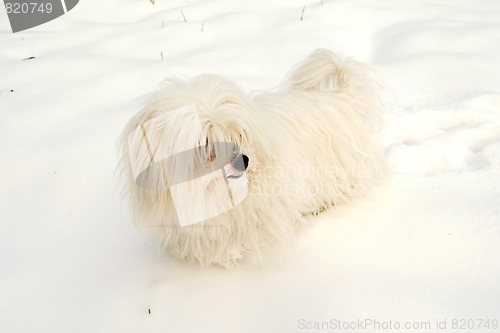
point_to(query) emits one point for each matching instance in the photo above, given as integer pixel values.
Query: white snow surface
(424, 247)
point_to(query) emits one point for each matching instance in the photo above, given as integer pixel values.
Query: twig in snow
(183, 16)
(302, 15)
(202, 24)
(161, 56)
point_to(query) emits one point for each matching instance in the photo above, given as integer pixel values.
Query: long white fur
(317, 128)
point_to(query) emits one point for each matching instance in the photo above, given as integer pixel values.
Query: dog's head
(191, 151)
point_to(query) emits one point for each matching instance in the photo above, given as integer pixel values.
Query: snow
(422, 248)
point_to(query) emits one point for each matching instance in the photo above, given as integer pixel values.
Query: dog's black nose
(245, 160)
(241, 163)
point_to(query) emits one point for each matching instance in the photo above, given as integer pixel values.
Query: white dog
(221, 175)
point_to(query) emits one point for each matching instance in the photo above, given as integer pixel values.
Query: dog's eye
(212, 156)
(210, 151)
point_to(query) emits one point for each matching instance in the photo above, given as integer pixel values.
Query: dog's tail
(327, 70)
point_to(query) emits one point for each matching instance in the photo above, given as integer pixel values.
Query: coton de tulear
(221, 175)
